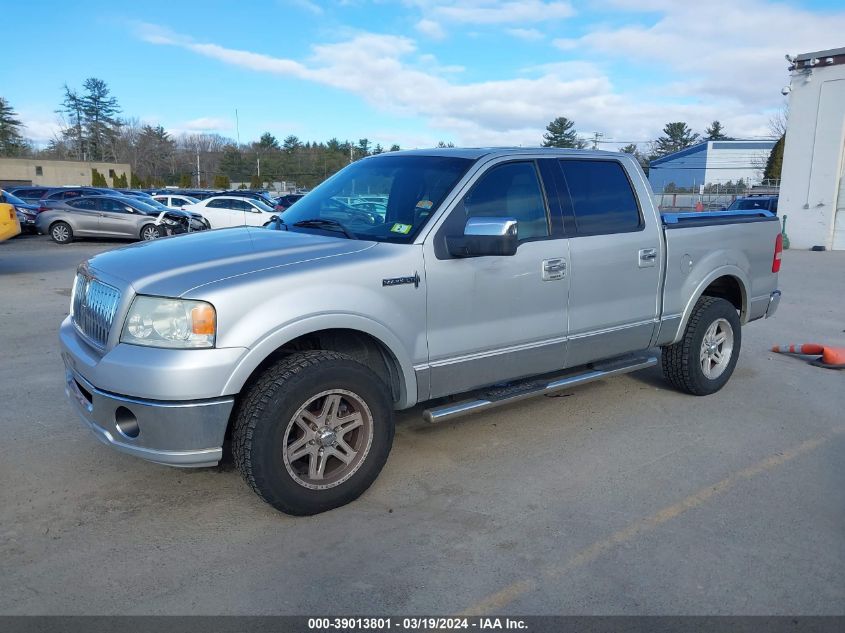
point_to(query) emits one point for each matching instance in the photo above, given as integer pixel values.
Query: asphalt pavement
(619, 497)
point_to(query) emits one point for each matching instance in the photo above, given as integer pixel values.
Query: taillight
(778, 253)
(12, 215)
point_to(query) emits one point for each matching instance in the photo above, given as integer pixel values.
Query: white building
(812, 189)
(711, 163)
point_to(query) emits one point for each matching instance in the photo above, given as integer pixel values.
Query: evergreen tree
(98, 179)
(268, 142)
(394, 148)
(221, 181)
(676, 136)
(363, 148)
(185, 181)
(101, 124)
(255, 182)
(561, 133)
(443, 144)
(73, 132)
(641, 158)
(232, 164)
(11, 140)
(120, 182)
(291, 144)
(716, 132)
(775, 160)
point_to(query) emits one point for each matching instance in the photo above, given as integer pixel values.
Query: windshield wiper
(320, 223)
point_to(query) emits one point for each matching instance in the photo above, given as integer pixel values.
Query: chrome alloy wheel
(328, 439)
(149, 233)
(716, 348)
(60, 233)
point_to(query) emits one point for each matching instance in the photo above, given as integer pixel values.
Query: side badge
(398, 281)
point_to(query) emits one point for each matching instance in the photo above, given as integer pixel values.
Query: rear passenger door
(615, 255)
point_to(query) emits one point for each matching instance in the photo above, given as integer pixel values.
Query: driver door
(497, 318)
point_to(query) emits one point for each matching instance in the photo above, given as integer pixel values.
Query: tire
(274, 412)
(698, 366)
(61, 233)
(150, 232)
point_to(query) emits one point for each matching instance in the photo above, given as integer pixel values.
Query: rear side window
(601, 195)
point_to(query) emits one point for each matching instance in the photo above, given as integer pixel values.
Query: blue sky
(413, 72)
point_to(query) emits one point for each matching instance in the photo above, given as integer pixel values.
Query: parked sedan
(175, 201)
(99, 216)
(26, 212)
(226, 211)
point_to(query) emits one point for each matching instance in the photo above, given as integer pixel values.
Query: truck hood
(173, 266)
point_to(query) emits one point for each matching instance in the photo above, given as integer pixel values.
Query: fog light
(126, 423)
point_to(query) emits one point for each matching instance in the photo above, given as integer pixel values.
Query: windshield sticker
(404, 229)
(424, 204)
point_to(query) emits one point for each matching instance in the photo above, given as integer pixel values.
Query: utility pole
(238, 128)
(198, 166)
(596, 137)
(258, 165)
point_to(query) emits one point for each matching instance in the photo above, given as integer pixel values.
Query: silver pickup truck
(460, 278)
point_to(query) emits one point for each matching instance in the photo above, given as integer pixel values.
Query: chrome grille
(93, 306)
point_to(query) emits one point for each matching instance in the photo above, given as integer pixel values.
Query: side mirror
(485, 237)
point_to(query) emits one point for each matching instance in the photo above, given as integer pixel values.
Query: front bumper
(774, 302)
(188, 434)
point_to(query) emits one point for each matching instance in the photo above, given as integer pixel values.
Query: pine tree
(775, 160)
(100, 110)
(676, 136)
(291, 144)
(716, 132)
(221, 181)
(11, 140)
(255, 182)
(561, 133)
(268, 142)
(394, 148)
(73, 133)
(185, 181)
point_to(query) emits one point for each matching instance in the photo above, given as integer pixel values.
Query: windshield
(262, 205)
(143, 205)
(385, 198)
(11, 199)
(748, 205)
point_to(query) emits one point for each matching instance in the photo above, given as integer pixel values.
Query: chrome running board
(530, 387)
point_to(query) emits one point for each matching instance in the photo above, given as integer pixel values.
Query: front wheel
(702, 362)
(150, 232)
(313, 432)
(61, 233)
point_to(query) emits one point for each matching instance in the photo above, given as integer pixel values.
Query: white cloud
(733, 73)
(307, 5)
(430, 29)
(529, 35)
(737, 55)
(207, 124)
(497, 12)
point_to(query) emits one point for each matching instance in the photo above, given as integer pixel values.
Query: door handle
(648, 257)
(554, 269)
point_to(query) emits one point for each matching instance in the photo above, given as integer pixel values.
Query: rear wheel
(61, 233)
(702, 362)
(150, 232)
(313, 432)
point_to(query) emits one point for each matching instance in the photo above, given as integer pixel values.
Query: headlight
(163, 322)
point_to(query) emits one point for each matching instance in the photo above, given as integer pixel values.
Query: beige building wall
(57, 173)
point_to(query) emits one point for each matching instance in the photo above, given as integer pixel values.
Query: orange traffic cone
(831, 357)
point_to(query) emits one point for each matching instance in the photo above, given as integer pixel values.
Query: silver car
(99, 216)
